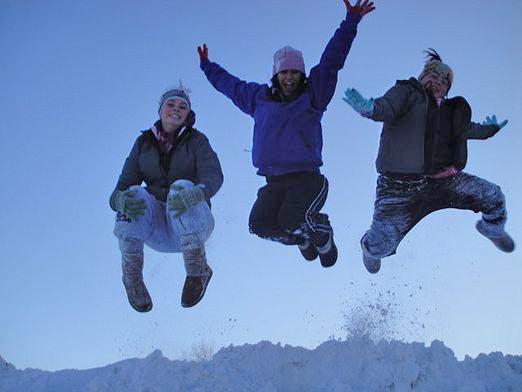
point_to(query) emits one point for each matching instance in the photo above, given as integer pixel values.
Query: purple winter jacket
(288, 135)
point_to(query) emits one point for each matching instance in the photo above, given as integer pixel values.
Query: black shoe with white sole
(328, 253)
(308, 251)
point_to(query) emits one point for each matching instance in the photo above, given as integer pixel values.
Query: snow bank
(354, 365)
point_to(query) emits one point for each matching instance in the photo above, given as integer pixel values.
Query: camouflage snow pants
(401, 204)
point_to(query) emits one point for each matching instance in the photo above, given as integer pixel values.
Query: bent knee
(140, 192)
(181, 184)
(262, 228)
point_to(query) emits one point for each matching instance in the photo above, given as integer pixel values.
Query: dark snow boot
(503, 241)
(198, 273)
(137, 293)
(328, 252)
(308, 250)
(194, 288)
(372, 265)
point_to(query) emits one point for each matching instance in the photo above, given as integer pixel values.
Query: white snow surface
(356, 364)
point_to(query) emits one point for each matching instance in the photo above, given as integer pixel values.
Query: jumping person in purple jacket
(288, 139)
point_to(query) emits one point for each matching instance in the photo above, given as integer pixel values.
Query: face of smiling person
(174, 113)
(289, 81)
(436, 84)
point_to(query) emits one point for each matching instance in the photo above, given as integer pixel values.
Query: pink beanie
(288, 58)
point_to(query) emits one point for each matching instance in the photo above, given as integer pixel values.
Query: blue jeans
(160, 230)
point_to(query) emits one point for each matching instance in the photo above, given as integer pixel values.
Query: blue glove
(493, 121)
(184, 198)
(128, 204)
(360, 104)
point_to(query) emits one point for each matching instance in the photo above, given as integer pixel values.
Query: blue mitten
(493, 121)
(360, 104)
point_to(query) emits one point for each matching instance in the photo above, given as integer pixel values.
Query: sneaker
(308, 251)
(194, 288)
(503, 242)
(372, 265)
(328, 253)
(137, 293)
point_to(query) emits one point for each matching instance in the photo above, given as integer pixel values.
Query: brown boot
(198, 276)
(137, 293)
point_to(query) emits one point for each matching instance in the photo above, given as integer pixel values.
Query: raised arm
(387, 108)
(241, 93)
(488, 128)
(323, 77)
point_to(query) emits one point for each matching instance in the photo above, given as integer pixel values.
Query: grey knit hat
(434, 64)
(175, 93)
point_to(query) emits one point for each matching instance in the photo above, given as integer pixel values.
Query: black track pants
(287, 209)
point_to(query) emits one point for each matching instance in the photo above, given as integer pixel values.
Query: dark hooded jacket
(191, 158)
(404, 111)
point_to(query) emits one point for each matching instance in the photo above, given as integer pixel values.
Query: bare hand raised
(359, 9)
(203, 52)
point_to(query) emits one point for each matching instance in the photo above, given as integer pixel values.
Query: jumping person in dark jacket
(422, 152)
(172, 214)
(288, 139)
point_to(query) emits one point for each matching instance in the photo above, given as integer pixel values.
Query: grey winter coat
(192, 158)
(404, 109)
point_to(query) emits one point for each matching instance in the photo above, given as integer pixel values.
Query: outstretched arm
(360, 104)
(323, 77)
(488, 128)
(387, 108)
(242, 94)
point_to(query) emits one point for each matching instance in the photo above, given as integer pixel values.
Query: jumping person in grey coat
(422, 152)
(172, 214)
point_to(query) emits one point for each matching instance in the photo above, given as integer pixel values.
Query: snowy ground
(353, 365)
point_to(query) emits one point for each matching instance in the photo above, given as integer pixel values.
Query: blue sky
(81, 79)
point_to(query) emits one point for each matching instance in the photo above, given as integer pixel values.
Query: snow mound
(353, 365)
(5, 366)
